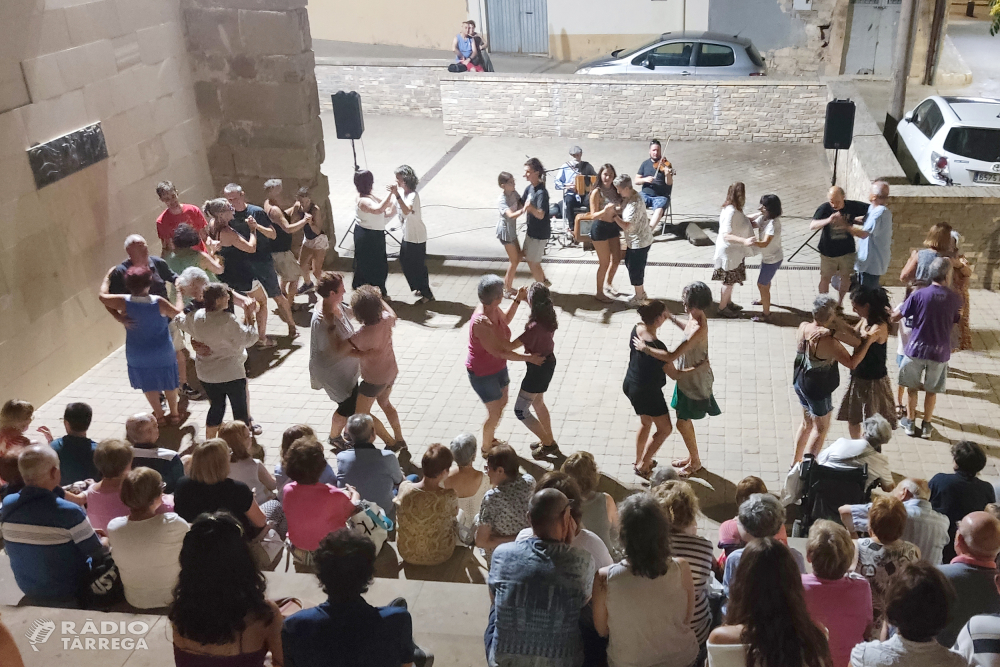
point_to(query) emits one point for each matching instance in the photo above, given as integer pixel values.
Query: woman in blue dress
(149, 351)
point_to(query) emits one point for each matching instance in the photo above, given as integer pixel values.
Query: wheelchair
(825, 489)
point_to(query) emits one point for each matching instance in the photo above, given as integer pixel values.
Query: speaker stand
(833, 181)
(357, 168)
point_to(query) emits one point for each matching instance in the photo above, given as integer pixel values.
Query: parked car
(701, 54)
(951, 141)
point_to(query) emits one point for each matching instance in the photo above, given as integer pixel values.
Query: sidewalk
(502, 62)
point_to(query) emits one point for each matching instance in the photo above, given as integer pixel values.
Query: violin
(663, 166)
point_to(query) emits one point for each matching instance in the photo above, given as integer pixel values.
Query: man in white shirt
(848, 454)
(979, 640)
(924, 527)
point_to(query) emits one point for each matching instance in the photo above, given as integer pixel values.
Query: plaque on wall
(57, 159)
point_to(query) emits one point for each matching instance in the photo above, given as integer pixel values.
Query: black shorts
(604, 231)
(263, 272)
(537, 379)
(646, 400)
(349, 406)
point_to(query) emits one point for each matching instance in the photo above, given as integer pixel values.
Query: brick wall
(626, 108)
(410, 90)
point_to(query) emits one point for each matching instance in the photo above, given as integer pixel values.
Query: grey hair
(575, 150)
(490, 288)
(231, 188)
(662, 474)
(192, 277)
(35, 462)
(622, 179)
(940, 268)
(824, 306)
(134, 426)
(880, 188)
(272, 183)
(761, 515)
(876, 431)
(133, 239)
(360, 428)
(463, 448)
(917, 488)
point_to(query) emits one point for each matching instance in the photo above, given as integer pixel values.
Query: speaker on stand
(349, 118)
(838, 133)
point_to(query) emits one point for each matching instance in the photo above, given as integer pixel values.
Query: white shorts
(286, 266)
(534, 249)
(321, 242)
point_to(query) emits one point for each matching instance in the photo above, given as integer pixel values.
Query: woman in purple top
(538, 340)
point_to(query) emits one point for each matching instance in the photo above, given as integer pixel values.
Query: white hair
(876, 430)
(880, 188)
(135, 427)
(35, 462)
(463, 449)
(940, 268)
(231, 188)
(272, 183)
(133, 239)
(916, 489)
(192, 277)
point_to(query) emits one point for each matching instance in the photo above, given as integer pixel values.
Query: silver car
(702, 54)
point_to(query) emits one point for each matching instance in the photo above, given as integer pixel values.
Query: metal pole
(900, 68)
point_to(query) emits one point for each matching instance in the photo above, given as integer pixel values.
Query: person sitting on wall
(468, 57)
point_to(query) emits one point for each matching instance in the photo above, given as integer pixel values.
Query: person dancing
(643, 385)
(604, 232)
(688, 366)
(315, 242)
(537, 340)
(490, 348)
(731, 248)
(371, 267)
(413, 249)
(511, 207)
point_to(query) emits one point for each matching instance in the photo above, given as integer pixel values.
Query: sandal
(766, 319)
(543, 452)
(397, 446)
(756, 302)
(265, 344)
(686, 472)
(255, 428)
(161, 420)
(338, 444)
(645, 475)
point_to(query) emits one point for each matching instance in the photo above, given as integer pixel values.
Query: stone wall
(629, 108)
(410, 88)
(63, 66)
(255, 85)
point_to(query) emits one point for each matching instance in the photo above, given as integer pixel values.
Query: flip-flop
(686, 474)
(545, 451)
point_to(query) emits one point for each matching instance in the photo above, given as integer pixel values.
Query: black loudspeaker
(839, 129)
(348, 116)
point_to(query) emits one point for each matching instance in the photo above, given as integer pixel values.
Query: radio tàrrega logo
(103, 636)
(39, 632)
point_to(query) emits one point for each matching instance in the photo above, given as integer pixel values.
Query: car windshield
(975, 143)
(631, 52)
(754, 56)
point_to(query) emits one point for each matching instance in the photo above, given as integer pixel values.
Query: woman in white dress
(732, 247)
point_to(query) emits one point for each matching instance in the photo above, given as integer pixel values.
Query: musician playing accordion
(573, 200)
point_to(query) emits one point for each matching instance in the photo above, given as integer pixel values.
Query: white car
(951, 141)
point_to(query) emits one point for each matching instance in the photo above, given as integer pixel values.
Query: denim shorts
(767, 272)
(816, 407)
(489, 388)
(655, 202)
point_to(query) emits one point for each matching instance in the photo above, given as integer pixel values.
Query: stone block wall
(255, 86)
(64, 66)
(409, 89)
(628, 108)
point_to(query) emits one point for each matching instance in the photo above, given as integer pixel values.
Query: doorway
(518, 26)
(871, 37)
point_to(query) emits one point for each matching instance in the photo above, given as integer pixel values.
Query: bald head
(978, 535)
(912, 488)
(545, 511)
(39, 466)
(836, 197)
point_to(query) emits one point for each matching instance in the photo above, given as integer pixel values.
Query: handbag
(815, 382)
(267, 548)
(371, 520)
(103, 587)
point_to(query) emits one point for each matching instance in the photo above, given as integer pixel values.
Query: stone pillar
(255, 85)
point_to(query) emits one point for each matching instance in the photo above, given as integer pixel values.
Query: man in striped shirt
(979, 641)
(49, 540)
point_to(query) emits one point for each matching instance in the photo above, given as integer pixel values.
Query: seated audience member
(504, 512)
(10, 476)
(219, 615)
(729, 531)
(113, 459)
(470, 485)
(925, 528)
(681, 506)
(838, 600)
(847, 454)
(75, 449)
(768, 624)
(426, 512)
(15, 418)
(374, 472)
(48, 539)
(645, 604)
(880, 556)
(146, 544)
(917, 604)
(979, 640)
(760, 516)
(584, 539)
(538, 588)
(600, 514)
(972, 573)
(208, 489)
(961, 492)
(346, 631)
(142, 431)
(291, 434)
(242, 466)
(313, 509)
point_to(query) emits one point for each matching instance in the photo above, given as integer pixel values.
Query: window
(754, 56)
(975, 143)
(928, 119)
(716, 55)
(674, 54)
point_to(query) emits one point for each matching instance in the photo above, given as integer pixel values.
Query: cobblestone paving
(752, 365)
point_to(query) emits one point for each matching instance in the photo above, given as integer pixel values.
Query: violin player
(656, 176)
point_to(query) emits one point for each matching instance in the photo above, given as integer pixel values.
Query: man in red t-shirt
(176, 214)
